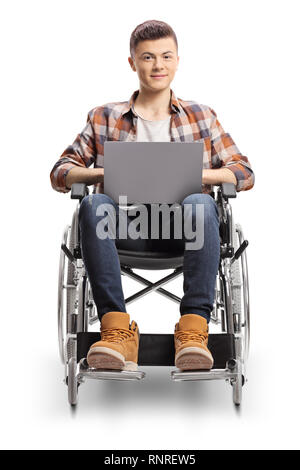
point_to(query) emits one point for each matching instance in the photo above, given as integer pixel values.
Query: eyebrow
(151, 53)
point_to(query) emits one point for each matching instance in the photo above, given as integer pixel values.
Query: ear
(131, 62)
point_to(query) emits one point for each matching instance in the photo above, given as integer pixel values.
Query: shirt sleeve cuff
(244, 177)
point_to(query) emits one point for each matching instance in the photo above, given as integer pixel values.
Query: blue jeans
(100, 255)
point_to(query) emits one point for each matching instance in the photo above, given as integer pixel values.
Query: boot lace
(191, 335)
(116, 335)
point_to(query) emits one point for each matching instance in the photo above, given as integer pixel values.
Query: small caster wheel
(237, 385)
(72, 381)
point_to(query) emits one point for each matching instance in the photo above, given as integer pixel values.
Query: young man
(153, 113)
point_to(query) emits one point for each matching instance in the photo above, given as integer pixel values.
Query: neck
(156, 102)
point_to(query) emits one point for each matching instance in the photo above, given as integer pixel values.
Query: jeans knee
(195, 198)
(199, 198)
(92, 201)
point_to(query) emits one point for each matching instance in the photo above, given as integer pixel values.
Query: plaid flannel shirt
(117, 121)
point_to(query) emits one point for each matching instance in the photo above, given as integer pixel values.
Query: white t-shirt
(153, 131)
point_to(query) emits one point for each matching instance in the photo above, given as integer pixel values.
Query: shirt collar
(175, 106)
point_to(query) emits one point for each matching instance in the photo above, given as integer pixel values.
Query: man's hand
(88, 176)
(218, 176)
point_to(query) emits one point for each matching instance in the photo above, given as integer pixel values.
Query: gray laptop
(152, 172)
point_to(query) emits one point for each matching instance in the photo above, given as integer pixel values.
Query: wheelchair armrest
(228, 190)
(79, 190)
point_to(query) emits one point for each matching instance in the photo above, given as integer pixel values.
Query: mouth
(158, 76)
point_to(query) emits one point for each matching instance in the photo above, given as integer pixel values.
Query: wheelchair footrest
(158, 349)
(86, 372)
(214, 374)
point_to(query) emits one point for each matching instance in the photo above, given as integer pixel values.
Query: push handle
(239, 251)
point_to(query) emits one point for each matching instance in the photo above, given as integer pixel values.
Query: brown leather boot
(191, 337)
(119, 344)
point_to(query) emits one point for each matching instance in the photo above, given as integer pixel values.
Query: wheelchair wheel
(240, 293)
(241, 314)
(61, 298)
(66, 291)
(71, 291)
(246, 304)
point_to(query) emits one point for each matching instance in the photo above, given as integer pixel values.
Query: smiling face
(156, 62)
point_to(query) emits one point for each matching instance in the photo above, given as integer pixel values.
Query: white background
(59, 60)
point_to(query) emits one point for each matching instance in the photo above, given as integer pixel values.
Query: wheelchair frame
(76, 308)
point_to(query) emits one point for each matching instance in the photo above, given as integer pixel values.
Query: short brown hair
(151, 29)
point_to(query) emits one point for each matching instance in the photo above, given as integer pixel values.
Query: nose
(158, 65)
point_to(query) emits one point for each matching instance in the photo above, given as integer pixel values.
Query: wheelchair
(77, 311)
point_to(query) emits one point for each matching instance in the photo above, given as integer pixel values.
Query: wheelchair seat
(150, 259)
